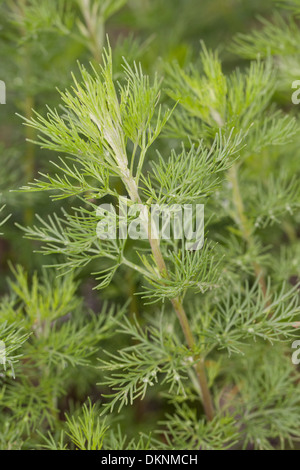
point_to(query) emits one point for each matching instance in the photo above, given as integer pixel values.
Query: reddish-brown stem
(132, 189)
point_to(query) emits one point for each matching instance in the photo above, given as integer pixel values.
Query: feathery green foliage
(193, 337)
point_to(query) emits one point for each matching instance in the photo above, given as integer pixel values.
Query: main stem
(96, 31)
(28, 107)
(132, 189)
